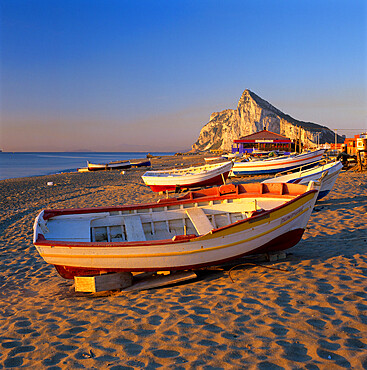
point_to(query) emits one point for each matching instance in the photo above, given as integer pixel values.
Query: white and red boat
(190, 177)
(199, 229)
(96, 166)
(275, 165)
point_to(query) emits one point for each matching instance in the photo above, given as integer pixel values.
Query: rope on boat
(254, 264)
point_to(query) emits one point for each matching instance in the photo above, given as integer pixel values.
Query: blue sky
(120, 75)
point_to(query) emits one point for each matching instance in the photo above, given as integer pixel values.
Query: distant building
(350, 144)
(263, 140)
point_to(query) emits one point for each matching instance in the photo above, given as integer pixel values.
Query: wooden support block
(282, 256)
(260, 257)
(100, 283)
(159, 280)
(277, 256)
(163, 272)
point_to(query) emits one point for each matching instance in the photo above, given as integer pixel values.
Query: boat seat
(200, 220)
(68, 230)
(134, 228)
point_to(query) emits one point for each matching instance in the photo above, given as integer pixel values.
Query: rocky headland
(253, 114)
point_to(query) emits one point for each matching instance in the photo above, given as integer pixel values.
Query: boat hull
(96, 167)
(118, 166)
(282, 242)
(273, 166)
(264, 231)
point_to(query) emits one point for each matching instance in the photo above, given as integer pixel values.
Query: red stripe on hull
(97, 169)
(282, 242)
(217, 180)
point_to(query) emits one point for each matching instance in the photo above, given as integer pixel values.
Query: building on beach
(262, 141)
(349, 145)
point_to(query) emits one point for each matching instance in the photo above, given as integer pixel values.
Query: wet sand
(311, 316)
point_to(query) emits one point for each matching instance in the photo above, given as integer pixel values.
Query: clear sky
(117, 75)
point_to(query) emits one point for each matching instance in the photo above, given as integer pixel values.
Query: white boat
(275, 165)
(326, 173)
(230, 156)
(190, 177)
(212, 159)
(115, 165)
(202, 228)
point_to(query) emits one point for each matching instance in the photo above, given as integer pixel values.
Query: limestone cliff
(253, 114)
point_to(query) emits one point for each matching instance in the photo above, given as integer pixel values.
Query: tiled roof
(264, 135)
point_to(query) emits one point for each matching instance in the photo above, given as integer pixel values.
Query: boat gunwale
(229, 191)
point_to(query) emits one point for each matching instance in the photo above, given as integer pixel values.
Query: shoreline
(19, 164)
(313, 315)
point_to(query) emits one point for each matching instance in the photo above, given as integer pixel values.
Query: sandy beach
(311, 313)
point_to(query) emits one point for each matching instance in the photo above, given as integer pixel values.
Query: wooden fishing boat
(118, 165)
(141, 163)
(213, 159)
(275, 165)
(199, 229)
(230, 156)
(326, 173)
(191, 177)
(96, 166)
(115, 165)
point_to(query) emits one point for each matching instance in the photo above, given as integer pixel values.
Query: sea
(26, 164)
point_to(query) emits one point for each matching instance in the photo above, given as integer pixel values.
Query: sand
(311, 316)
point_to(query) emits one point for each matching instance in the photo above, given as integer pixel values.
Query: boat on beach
(141, 163)
(118, 165)
(201, 228)
(114, 165)
(96, 166)
(325, 173)
(230, 156)
(190, 177)
(213, 159)
(275, 165)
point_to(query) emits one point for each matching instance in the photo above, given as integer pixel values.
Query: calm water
(34, 164)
